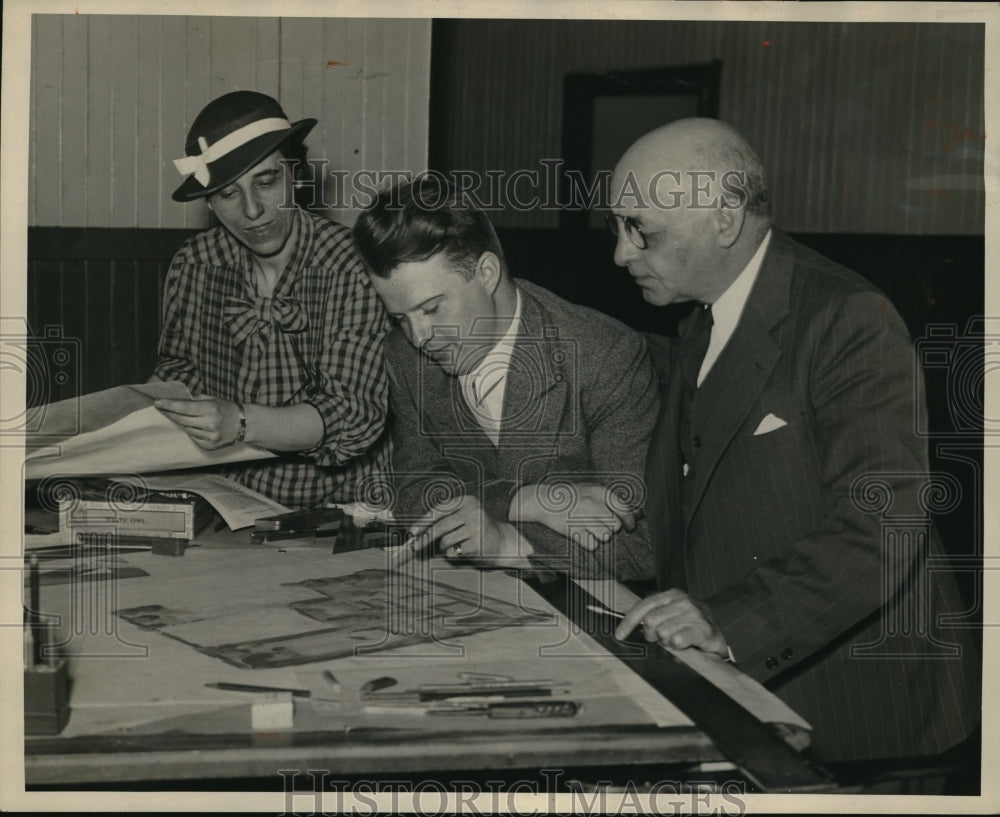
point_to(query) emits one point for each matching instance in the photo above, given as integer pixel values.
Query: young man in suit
(520, 422)
(788, 406)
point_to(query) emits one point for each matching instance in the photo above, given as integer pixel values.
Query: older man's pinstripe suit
(781, 532)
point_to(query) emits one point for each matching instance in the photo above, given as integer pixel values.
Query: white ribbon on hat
(227, 144)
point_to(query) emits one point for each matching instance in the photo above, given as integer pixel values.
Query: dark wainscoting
(98, 291)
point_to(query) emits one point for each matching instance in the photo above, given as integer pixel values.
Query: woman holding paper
(269, 318)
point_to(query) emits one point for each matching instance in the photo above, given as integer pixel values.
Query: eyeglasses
(639, 238)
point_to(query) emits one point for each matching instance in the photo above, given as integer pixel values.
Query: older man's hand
(675, 620)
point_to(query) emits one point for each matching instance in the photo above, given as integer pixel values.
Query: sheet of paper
(148, 677)
(238, 505)
(119, 430)
(90, 412)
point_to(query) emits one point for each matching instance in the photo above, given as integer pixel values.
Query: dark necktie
(694, 346)
(691, 353)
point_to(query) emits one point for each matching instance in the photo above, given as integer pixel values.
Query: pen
(36, 621)
(29, 644)
(332, 680)
(505, 709)
(478, 694)
(518, 709)
(298, 693)
(604, 610)
(491, 685)
(406, 551)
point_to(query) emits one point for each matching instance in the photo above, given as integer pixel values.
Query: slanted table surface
(142, 648)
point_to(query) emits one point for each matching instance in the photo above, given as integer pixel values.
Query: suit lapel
(734, 383)
(538, 379)
(445, 415)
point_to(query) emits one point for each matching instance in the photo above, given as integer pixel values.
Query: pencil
(29, 643)
(35, 619)
(298, 693)
(406, 551)
(604, 610)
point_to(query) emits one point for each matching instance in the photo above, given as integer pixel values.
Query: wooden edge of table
(101, 758)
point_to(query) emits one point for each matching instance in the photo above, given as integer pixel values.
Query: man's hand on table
(675, 620)
(466, 531)
(210, 421)
(593, 514)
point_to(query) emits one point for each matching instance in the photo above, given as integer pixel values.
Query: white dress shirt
(484, 387)
(727, 309)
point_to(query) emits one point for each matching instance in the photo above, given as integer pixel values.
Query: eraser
(274, 710)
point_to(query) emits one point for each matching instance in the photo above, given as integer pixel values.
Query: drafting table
(142, 649)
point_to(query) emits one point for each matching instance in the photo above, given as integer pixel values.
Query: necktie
(694, 347)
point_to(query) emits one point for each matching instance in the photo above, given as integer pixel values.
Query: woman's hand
(210, 421)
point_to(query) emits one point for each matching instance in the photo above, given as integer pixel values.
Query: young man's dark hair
(418, 220)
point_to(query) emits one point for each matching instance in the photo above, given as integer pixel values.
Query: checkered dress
(317, 340)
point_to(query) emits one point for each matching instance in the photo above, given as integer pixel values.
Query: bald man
(788, 406)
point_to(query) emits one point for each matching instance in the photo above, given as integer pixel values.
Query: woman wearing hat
(269, 318)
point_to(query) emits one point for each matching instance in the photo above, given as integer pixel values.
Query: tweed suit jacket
(579, 405)
(806, 461)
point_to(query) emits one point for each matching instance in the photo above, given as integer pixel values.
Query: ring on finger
(456, 550)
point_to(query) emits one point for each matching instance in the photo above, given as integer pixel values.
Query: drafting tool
(35, 615)
(517, 709)
(302, 522)
(29, 643)
(492, 685)
(405, 698)
(405, 552)
(758, 751)
(298, 693)
(319, 523)
(500, 709)
(595, 608)
(46, 679)
(485, 691)
(483, 676)
(376, 684)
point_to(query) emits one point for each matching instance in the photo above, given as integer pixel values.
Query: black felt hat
(231, 135)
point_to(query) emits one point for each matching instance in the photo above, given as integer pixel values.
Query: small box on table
(104, 508)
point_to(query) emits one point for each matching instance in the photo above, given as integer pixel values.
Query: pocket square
(770, 423)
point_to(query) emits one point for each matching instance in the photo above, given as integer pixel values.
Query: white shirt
(727, 309)
(484, 387)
